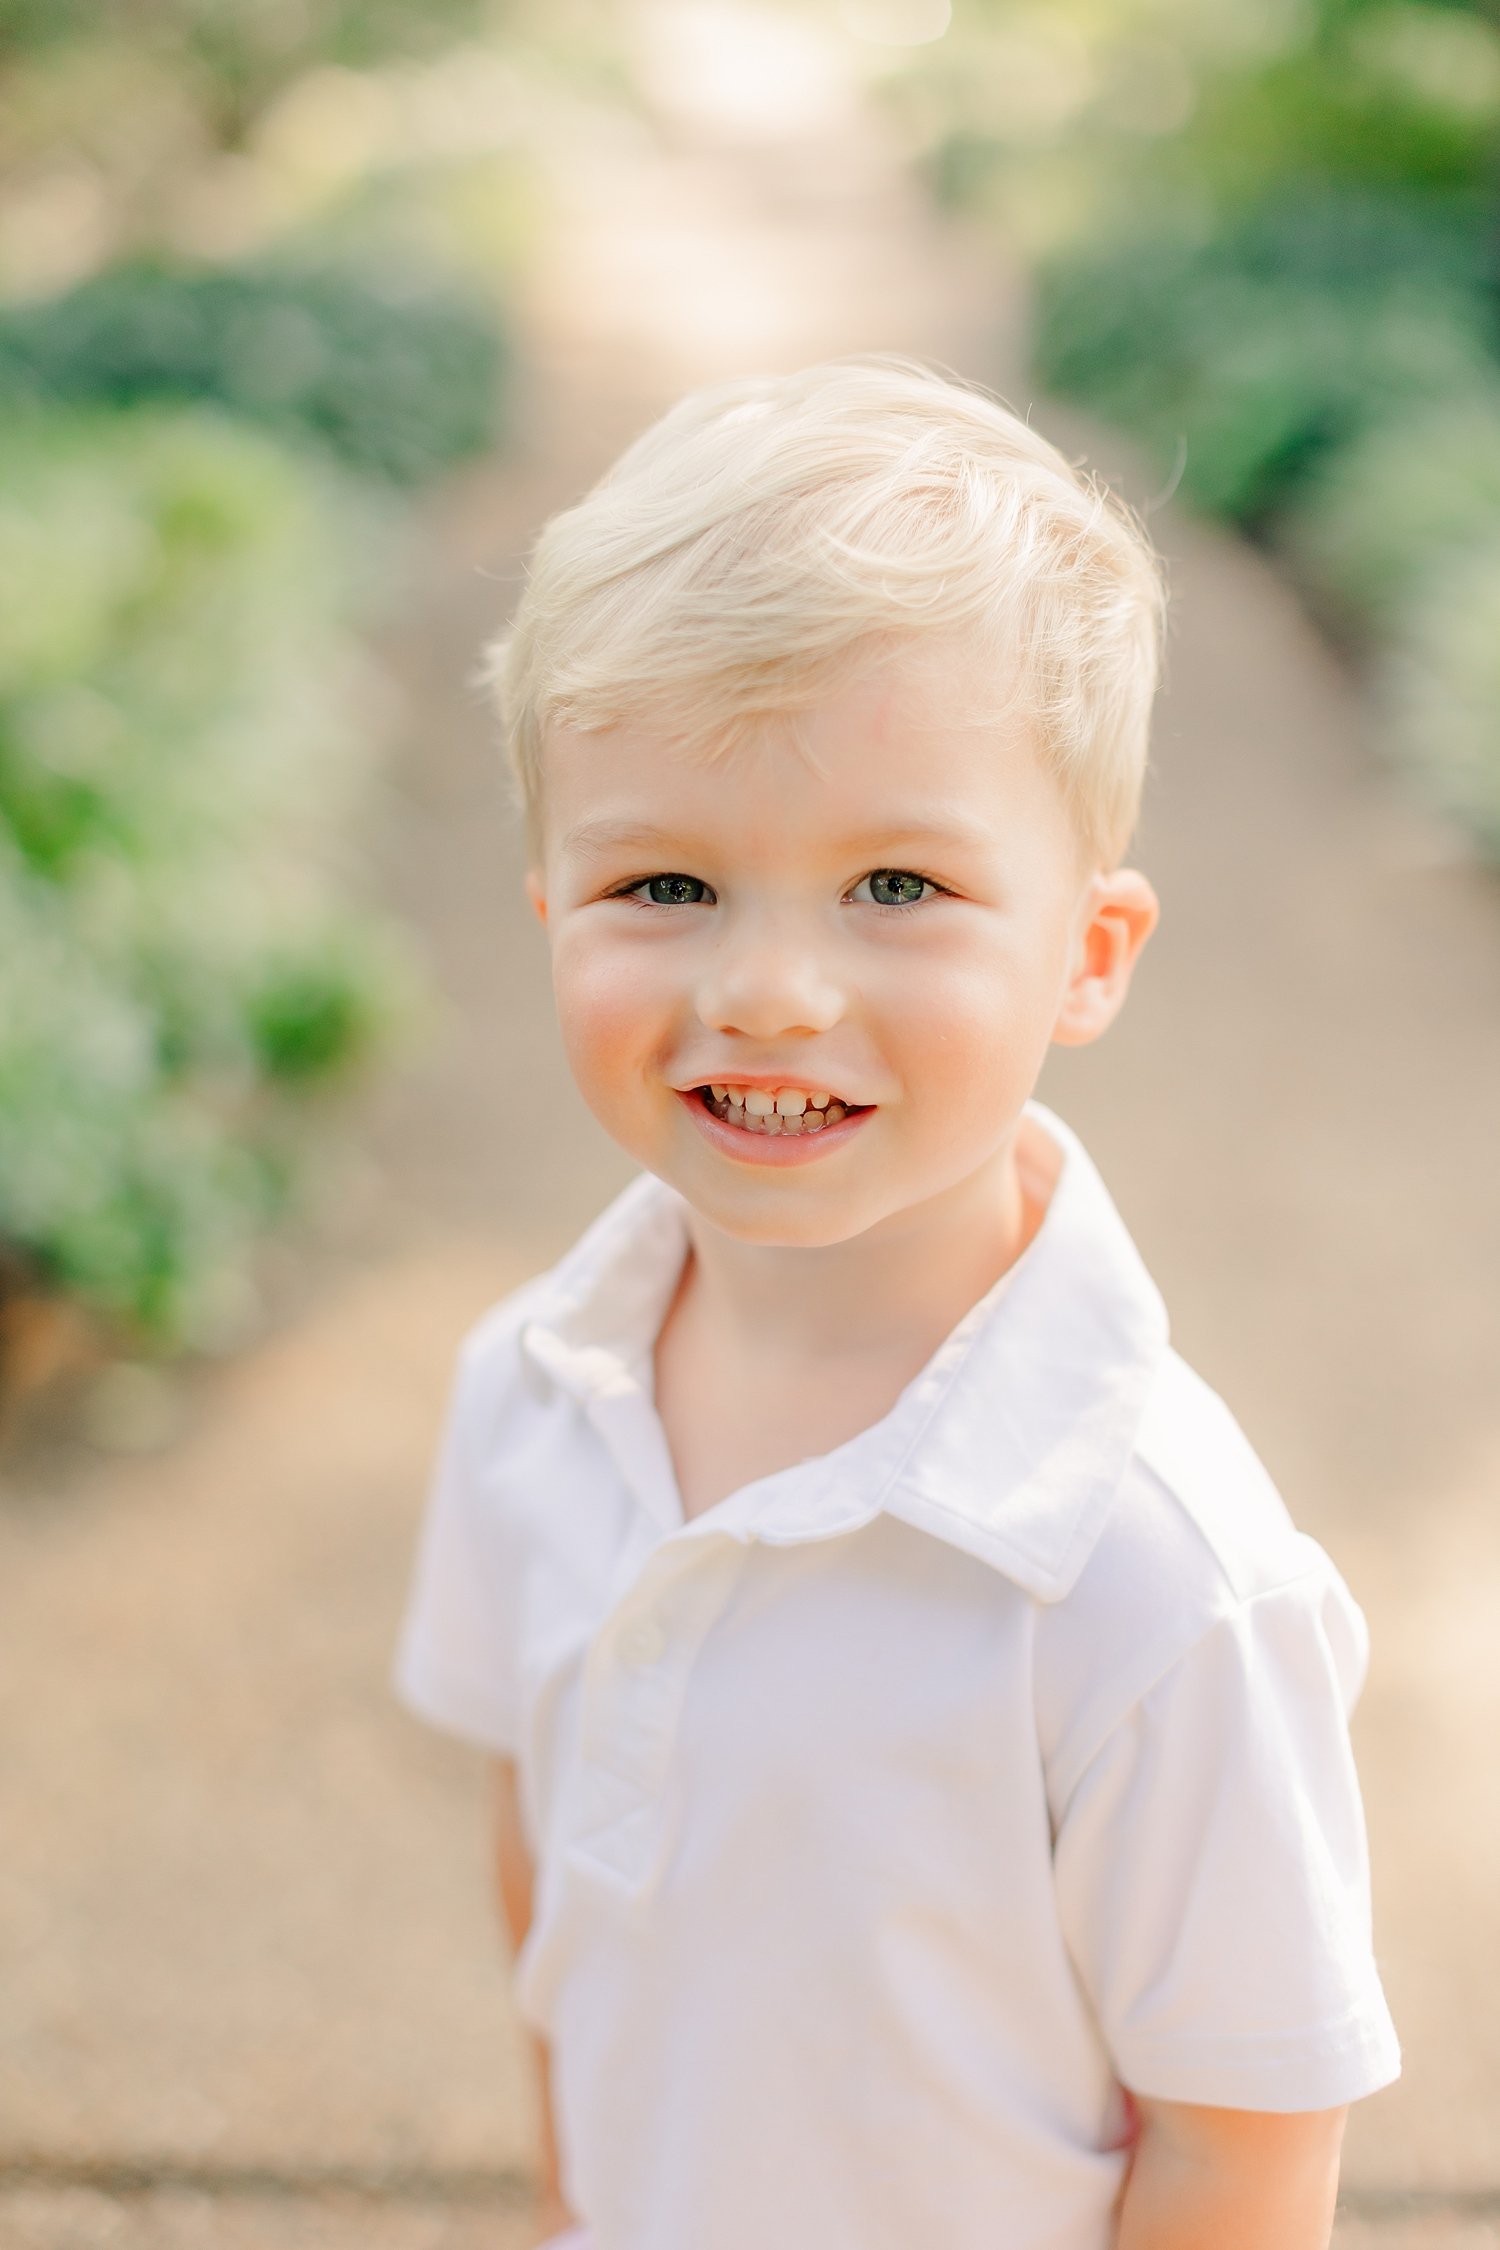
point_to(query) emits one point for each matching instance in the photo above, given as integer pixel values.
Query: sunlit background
(309, 311)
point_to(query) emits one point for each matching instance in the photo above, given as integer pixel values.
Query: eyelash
(656, 906)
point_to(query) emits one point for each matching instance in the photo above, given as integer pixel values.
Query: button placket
(644, 1643)
(635, 1684)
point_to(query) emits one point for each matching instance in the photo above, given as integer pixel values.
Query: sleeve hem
(455, 1705)
(1322, 2070)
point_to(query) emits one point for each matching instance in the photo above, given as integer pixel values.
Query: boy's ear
(536, 894)
(1118, 914)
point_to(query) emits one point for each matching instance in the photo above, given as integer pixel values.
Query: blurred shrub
(1257, 352)
(1386, 97)
(1266, 243)
(238, 53)
(184, 705)
(400, 375)
(1072, 121)
(1442, 680)
(1399, 505)
(182, 720)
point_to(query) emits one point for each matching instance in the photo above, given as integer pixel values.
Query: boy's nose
(765, 984)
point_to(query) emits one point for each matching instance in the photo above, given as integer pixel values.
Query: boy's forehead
(604, 834)
(915, 749)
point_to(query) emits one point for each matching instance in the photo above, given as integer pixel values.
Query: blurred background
(309, 311)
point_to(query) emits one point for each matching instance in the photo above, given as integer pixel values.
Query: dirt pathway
(252, 1996)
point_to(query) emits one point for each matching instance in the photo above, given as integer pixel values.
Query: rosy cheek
(956, 1024)
(607, 1009)
(974, 1040)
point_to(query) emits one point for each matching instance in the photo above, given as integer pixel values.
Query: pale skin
(895, 907)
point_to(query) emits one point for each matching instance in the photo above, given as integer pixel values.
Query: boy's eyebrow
(593, 838)
(922, 828)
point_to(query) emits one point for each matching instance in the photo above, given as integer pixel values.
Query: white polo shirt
(895, 1811)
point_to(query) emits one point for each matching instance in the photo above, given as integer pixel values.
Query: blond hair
(767, 536)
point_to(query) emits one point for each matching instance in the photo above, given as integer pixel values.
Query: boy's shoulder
(1235, 1528)
(1196, 1527)
(1198, 1530)
(1198, 1542)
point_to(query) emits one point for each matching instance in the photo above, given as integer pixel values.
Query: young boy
(923, 1724)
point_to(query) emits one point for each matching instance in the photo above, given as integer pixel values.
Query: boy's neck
(892, 1293)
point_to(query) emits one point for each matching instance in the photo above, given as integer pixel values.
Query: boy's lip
(766, 1148)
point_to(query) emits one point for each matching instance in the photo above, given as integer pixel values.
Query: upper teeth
(759, 1101)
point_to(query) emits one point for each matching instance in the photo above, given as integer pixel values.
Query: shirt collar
(1035, 1423)
(597, 1312)
(1010, 1443)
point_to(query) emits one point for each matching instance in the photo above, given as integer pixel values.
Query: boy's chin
(773, 1221)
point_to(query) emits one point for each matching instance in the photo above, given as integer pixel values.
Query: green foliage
(1255, 353)
(307, 1010)
(1398, 507)
(1291, 292)
(398, 374)
(1400, 537)
(1343, 108)
(241, 52)
(1442, 679)
(181, 721)
(185, 709)
(1081, 119)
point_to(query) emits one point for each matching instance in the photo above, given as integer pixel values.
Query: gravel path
(252, 1994)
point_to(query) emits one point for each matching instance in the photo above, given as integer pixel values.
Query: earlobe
(536, 894)
(1122, 912)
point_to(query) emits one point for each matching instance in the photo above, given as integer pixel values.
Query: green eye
(672, 890)
(896, 886)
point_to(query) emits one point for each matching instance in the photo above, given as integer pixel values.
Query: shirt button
(644, 1642)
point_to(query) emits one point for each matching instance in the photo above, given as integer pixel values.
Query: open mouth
(789, 1110)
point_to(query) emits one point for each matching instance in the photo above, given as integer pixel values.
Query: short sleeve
(453, 1664)
(1212, 1869)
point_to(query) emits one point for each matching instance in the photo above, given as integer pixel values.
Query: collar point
(1045, 1578)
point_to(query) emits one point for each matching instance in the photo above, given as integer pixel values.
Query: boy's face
(896, 915)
